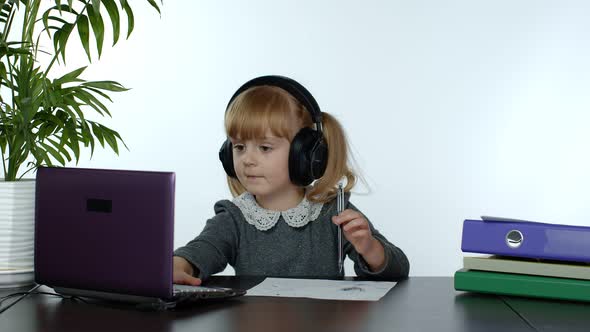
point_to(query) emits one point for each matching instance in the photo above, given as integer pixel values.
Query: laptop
(109, 234)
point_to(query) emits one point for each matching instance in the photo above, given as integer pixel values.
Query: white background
(454, 109)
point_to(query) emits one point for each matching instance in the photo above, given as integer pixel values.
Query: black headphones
(308, 155)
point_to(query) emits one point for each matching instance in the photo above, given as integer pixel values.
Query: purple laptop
(109, 234)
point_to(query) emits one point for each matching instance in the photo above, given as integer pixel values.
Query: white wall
(455, 109)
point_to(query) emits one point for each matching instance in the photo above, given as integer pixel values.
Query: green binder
(522, 285)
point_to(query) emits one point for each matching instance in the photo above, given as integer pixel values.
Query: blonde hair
(261, 108)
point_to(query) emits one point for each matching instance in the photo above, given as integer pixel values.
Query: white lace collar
(264, 219)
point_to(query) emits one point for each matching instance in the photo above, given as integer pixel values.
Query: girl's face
(262, 166)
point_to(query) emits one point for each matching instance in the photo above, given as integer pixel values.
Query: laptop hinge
(105, 295)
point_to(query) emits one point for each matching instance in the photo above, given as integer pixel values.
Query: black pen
(340, 208)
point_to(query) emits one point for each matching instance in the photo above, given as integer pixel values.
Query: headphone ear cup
(319, 157)
(227, 159)
(307, 157)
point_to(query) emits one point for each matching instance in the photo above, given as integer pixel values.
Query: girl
(281, 222)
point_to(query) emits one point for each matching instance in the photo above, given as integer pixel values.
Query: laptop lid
(105, 230)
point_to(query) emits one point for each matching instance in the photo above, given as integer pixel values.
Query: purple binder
(527, 239)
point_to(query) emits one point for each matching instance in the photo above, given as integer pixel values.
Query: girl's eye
(265, 148)
(238, 147)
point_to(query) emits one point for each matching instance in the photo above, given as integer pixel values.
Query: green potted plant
(43, 119)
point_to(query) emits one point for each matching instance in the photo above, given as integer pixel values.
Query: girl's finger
(346, 216)
(359, 234)
(349, 213)
(353, 225)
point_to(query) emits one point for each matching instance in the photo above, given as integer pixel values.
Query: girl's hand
(355, 228)
(182, 273)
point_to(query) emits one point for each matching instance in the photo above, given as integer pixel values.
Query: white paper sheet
(322, 289)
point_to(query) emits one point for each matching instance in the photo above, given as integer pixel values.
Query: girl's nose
(248, 159)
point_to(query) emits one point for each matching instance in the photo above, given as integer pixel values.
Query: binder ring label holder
(514, 239)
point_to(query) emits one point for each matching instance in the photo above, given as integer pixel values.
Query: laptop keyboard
(185, 289)
(199, 292)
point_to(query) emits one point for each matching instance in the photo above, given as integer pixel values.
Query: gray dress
(282, 250)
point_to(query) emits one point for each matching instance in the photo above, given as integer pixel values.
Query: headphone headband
(291, 86)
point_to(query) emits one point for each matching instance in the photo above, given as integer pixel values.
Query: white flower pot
(17, 229)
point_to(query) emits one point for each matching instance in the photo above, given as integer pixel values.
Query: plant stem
(3, 163)
(27, 171)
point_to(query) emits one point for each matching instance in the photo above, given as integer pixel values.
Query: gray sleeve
(397, 265)
(216, 246)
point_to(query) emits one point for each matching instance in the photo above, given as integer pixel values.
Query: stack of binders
(525, 259)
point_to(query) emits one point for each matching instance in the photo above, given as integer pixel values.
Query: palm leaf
(84, 34)
(113, 12)
(60, 148)
(155, 5)
(97, 133)
(70, 77)
(130, 17)
(97, 27)
(106, 85)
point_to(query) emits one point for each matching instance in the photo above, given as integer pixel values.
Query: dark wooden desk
(416, 304)
(552, 315)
